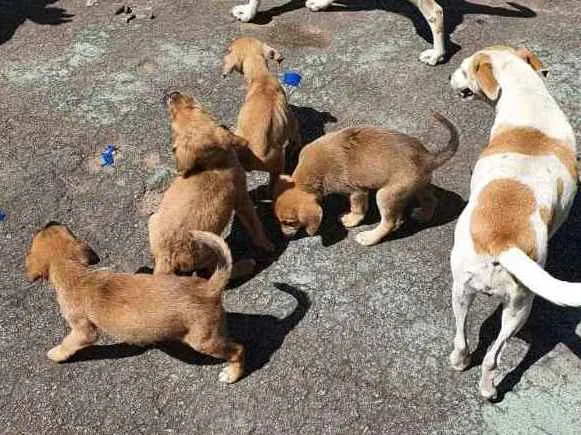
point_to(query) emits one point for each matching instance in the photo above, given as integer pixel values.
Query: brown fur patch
(547, 216)
(530, 141)
(560, 188)
(501, 218)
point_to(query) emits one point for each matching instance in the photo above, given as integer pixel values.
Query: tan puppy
(137, 309)
(354, 161)
(264, 120)
(211, 187)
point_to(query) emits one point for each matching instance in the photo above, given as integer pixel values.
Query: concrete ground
(341, 338)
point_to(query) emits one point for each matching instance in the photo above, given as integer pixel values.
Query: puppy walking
(522, 189)
(265, 120)
(134, 308)
(354, 161)
(212, 186)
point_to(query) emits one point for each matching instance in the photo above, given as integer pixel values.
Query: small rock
(92, 2)
(159, 179)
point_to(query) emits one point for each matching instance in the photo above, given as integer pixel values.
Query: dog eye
(173, 150)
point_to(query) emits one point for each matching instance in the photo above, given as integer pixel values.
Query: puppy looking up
(354, 161)
(211, 187)
(522, 190)
(265, 120)
(134, 308)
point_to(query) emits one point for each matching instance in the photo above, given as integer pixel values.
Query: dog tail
(221, 275)
(439, 158)
(537, 280)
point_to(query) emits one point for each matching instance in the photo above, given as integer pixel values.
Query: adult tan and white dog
(522, 189)
(430, 10)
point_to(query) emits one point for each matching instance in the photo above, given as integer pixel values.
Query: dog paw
(367, 238)
(459, 361)
(350, 220)
(57, 355)
(489, 392)
(431, 57)
(226, 377)
(243, 13)
(318, 5)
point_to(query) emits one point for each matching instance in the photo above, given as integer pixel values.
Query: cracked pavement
(342, 338)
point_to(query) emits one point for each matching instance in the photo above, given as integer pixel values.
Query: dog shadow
(261, 334)
(454, 12)
(13, 13)
(548, 324)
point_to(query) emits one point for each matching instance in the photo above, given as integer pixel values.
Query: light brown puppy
(264, 120)
(137, 309)
(354, 161)
(211, 187)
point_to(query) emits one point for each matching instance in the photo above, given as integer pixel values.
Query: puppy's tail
(439, 158)
(221, 275)
(537, 280)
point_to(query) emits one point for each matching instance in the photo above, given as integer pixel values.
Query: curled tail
(437, 159)
(537, 280)
(221, 275)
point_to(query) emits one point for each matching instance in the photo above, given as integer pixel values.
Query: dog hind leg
(462, 298)
(434, 15)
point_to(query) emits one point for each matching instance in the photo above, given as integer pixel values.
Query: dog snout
(172, 96)
(465, 93)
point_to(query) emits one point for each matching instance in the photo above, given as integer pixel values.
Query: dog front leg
(83, 334)
(246, 13)
(249, 218)
(434, 15)
(359, 203)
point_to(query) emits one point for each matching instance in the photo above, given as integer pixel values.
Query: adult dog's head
(476, 75)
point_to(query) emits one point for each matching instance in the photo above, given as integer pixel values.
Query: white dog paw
(459, 361)
(350, 220)
(431, 57)
(489, 392)
(56, 354)
(318, 5)
(243, 13)
(224, 376)
(366, 238)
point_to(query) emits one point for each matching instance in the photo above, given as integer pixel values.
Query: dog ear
(86, 254)
(230, 64)
(483, 73)
(271, 53)
(532, 59)
(284, 183)
(185, 157)
(311, 215)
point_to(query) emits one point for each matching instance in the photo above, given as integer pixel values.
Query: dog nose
(465, 93)
(172, 95)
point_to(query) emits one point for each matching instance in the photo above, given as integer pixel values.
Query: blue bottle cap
(106, 157)
(2, 216)
(291, 78)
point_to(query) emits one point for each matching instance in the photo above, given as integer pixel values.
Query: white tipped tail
(537, 280)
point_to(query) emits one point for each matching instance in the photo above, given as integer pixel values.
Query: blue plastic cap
(291, 78)
(106, 158)
(2, 216)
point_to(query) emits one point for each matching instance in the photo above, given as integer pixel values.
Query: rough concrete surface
(341, 338)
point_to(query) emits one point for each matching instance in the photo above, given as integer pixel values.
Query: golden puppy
(264, 120)
(138, 309)
(354, 161)
(211, 187)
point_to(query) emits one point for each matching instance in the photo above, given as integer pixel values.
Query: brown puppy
(138, 309)
(354, 161)
(211, 187)
(264, 120)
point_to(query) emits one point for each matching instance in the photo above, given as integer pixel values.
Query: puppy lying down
(134, 308)
(354, 161)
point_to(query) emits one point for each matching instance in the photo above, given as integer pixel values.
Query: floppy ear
(85, 253)
(532, 59)
(311, 215)
(271, 53)
(484, 75)
(284, 183)
(185, 157)
(229, 64)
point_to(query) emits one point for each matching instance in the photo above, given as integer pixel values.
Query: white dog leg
(246, 13)
(318, 5)
(434, 15)
(462, 298)
(514, 315)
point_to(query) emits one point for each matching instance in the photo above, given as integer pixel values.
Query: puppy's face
(296, 209)
(244, 48)
(475, 77)
(196, 137)
(55, 241)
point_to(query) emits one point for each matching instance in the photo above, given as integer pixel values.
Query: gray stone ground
(365, 351)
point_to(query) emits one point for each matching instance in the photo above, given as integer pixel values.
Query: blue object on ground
(106, 158)
(2, 216)
(291, 78)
